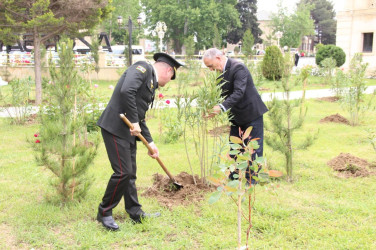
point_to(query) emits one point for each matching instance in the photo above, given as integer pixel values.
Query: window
(367, 42)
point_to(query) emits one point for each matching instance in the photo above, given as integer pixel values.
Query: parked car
(230, 53)
(117, 57)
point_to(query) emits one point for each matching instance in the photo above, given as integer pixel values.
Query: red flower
(161, 95)
(36, 135)
(37, 141)
(168, 101)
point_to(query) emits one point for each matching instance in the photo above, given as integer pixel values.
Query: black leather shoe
(108, 222)
(140, 218)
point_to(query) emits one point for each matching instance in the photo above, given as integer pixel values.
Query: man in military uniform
(132, 95)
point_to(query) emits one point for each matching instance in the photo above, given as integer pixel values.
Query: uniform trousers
(122, 156)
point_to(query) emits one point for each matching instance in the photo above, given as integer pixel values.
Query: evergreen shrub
(272, 64)
(332, 51)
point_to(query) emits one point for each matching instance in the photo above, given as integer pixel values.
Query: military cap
(166, 58)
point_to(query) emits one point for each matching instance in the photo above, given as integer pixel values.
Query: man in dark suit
(241, 97)
(133, 95)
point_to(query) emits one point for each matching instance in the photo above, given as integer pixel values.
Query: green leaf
(243, 165)
(259, 160)
(234, 152)
(235, 146)
(215, 197)
(235, 140)
(233, 183)
(247, 132)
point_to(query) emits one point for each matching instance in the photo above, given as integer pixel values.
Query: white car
(117, 57)
(230, 53)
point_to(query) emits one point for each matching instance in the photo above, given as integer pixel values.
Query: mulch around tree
(347, 165)
(329, 99)
(166, 194)
(337, 118)
(225, 129)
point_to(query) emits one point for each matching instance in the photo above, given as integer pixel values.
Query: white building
(356, 29)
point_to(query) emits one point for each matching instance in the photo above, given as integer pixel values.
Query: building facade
(356, 30)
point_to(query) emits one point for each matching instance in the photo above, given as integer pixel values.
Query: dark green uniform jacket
(132, 95)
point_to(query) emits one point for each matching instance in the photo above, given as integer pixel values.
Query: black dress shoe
(108, 222)
(140, 218)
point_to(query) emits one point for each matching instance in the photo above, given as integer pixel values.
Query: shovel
(130, 125)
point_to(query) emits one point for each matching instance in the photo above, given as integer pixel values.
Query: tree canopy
(323, 15)
(45, 19)
(192, 17)
(125, 9)
(294, 26)
(247, 10)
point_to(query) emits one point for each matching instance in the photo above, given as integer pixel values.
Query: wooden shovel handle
(144, 141)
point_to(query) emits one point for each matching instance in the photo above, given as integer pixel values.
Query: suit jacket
(240, 93)
(132, 95)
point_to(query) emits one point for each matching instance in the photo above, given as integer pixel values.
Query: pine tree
(283, 121)
(248, 42)
(63, 145)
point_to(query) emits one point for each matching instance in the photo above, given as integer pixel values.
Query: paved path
(265, 97)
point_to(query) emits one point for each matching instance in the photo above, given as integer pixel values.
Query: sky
(271, 5)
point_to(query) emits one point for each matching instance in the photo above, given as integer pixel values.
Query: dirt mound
(166, 194)
(225, 129)
(335, 118)
(348, 165)
(329, 99)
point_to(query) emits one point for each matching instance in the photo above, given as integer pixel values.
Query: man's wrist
(222, 107)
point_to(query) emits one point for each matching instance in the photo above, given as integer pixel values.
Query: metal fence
(26, 59)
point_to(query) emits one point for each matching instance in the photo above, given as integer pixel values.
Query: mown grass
(316, 211)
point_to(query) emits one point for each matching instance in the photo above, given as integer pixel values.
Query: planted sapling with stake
(241, 150)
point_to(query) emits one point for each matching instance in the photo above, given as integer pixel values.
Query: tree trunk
(37, 68)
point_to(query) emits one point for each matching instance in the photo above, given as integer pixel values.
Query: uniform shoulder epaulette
(141, 68)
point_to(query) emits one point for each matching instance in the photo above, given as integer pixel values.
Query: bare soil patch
(166, 194)
(347, 165)
(194, 84)
(220, 130)
(263, 89)
(329, 99)
(32, 119)
(337, 118)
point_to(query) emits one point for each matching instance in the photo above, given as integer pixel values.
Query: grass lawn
(317, 211)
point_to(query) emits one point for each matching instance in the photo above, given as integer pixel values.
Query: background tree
(354, 100)
(272, 63)
(323, 15)
(294, 26)
(189, 46)
(248, 42)
(48, 18)
(192, 18)
(63, 147)
(283, 121)
(217, 40)
(126, 9)
(247, 10)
